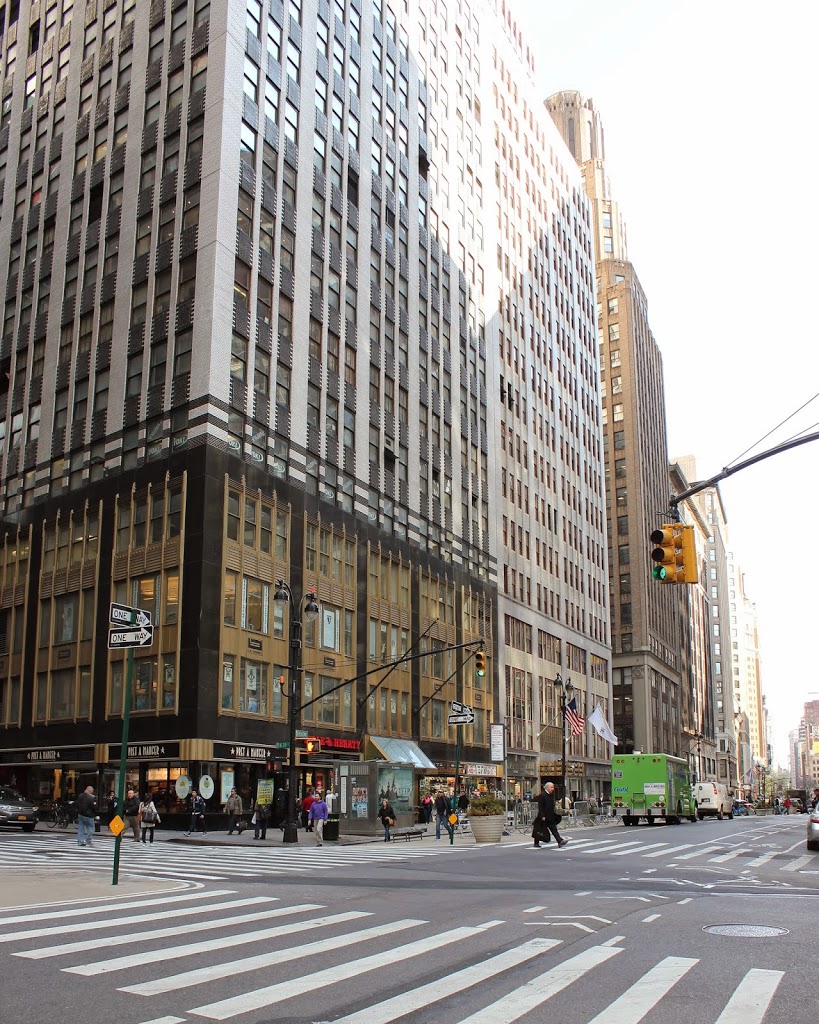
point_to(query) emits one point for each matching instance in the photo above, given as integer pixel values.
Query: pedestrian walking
(233, 809)
(427, 804)
(198, 807)
(86, 812)
(261, 817)
(148, 818)
(441, 810)
(387, 816)
(113, 806)
(548, 819)
(318, 815)
(787, 805)
(131, 811)
(305, 810)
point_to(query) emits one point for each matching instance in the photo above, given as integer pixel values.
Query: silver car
(16, 809)
(813, 829)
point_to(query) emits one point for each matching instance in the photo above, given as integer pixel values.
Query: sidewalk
(40, 887)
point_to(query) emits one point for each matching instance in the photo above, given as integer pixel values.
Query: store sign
(47, 755)
(336, 743)
(497, 734)
(241, 751)
(144, 751)
(485, 770)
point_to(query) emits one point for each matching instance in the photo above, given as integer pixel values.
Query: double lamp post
(309, 606)
(566, 690)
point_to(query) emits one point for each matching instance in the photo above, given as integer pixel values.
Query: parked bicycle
(61, 815)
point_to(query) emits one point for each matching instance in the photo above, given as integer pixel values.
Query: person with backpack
(148, 818)
(198, 807)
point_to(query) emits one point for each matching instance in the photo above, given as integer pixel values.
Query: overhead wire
(774, 429)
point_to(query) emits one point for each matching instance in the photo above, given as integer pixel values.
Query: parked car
(16, 809)
(813, 829)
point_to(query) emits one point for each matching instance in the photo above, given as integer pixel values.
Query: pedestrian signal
(311, 746)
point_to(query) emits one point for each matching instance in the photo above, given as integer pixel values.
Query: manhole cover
(745, 931)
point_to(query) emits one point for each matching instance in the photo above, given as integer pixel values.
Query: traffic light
(480, 663)
(310, 746)
(674, 554)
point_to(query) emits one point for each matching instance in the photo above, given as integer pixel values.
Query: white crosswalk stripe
(203, 863)
(493, 950)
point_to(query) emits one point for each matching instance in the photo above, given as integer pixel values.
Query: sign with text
(139, 636)
(125, 615)
(497, 745)
(145, 751)
(242, 751)
(48, 755)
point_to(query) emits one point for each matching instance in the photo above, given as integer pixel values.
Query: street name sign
(142, 636)
(124, 615)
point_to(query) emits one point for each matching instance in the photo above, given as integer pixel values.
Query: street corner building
(293, 291)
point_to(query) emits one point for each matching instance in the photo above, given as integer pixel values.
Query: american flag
(573, 718)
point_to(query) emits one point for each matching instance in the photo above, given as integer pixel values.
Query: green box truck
(652, 786)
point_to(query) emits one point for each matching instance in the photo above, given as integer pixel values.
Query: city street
(707, 923)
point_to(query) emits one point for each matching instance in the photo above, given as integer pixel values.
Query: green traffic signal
(659, 572)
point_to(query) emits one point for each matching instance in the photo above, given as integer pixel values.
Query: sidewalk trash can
(331, 828)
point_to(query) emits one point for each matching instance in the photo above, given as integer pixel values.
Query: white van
(713, 798)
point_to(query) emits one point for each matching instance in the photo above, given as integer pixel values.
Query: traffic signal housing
(480, 663)
(310, 746)
(674, 554)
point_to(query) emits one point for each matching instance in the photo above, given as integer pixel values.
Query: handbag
(558, 819)
(390, 822)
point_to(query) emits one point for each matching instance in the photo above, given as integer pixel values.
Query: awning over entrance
(401, 751)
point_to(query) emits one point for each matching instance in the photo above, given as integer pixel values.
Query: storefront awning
(402, 751)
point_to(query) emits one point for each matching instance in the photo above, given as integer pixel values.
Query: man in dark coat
(547, 818)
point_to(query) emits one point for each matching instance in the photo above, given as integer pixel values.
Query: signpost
(131, 627)
(459, 714)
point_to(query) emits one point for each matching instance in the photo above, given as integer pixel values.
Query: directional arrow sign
(465, 719)
(124, 615)
(138, 637)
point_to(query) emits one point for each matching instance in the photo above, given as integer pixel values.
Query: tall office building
(251, 332)
(745, 656)
(650, 693)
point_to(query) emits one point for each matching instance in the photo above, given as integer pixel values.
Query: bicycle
(59, 817)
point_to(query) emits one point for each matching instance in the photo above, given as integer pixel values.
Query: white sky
(712, 137)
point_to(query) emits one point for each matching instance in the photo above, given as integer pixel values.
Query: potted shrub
(486, 818)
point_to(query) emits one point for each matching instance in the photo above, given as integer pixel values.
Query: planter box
(486, 828)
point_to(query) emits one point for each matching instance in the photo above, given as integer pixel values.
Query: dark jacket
(546, 807)
(198, 805)
(441, 805)
(86, 805)
(131, 807)
(386, 812)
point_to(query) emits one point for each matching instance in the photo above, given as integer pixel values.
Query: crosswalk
(219, 957)
(207, 863)
(735, 852)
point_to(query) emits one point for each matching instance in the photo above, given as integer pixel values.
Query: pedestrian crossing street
(737, 852)
(207, 863)
(219, 957)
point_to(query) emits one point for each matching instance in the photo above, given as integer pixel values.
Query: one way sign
(140, 637)
(125, 615)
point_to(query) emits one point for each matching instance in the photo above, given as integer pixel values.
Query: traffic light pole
(701, 485)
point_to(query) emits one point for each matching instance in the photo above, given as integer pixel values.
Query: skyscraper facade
(645, 616)
(257, 300)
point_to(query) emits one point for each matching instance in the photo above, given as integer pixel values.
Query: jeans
(85, 829)
(232, 821)
(196, 820)
(147, 833)
(318, 826)
(440, 819)
(386, 832)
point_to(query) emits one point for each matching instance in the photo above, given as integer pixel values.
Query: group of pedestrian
(141, 816)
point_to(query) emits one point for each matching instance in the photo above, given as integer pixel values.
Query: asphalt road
(707, 923)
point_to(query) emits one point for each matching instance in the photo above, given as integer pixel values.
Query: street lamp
(566, 691)
(284, 597)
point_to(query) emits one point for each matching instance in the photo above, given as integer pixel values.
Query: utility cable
(774, 429)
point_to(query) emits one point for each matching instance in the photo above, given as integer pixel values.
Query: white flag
(601, 726)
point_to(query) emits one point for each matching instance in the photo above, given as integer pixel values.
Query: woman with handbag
(148, 818)
(387, 816)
